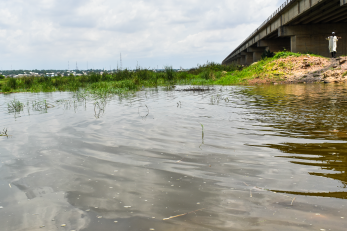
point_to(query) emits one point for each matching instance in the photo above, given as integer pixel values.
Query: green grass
(15, 106)
(265, 68)
(123, 81)
(115, 83)
(4, 132)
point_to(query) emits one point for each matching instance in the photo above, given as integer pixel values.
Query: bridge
(297, 26)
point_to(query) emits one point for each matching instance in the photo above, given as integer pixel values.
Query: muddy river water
(231, 158)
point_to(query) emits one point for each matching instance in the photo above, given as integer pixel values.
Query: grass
(15, 106)
(116, 83)
(4, 132)
(265, 68)
(123, 81)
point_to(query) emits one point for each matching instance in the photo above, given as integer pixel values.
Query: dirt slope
(305, 69)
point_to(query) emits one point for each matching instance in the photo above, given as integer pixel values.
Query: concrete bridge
(297, 26)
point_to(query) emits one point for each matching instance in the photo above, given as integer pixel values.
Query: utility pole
(121, 66)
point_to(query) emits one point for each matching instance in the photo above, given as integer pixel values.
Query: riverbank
(305, 69)
(287, 67)
(283, 68)
(119, 81)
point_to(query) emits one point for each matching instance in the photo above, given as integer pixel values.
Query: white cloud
(46, 34)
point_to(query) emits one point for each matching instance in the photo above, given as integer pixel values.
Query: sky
(50, 34)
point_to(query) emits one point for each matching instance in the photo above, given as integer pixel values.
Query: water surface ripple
(231, 158)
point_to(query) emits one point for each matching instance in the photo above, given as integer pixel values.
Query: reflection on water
(308, 111)
(331, 157)
(311, 112)
(231, 158)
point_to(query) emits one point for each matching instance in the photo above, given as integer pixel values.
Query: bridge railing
(265, 22)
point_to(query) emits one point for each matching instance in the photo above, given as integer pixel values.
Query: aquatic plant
(41, 105)
(4, 132)
(202, 135)
(147, 113)
(15, 106)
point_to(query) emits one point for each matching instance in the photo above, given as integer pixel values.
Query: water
(232, 158)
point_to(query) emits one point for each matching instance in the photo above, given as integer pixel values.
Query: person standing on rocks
(333, 44)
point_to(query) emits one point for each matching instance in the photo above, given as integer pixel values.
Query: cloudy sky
(47, 34)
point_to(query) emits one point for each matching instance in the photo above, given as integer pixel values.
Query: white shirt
(332, 43)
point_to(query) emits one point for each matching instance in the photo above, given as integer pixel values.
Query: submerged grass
(4, 132)
(15, 106)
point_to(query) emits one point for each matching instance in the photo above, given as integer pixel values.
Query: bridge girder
(331, 15)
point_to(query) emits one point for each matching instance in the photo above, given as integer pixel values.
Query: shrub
(267, 54)
(12, 83)
(5, 88)
(169, 73)
(2, 77)
(284, 54)
(205, 74)
(182, 75)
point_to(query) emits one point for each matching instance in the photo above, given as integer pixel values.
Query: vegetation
(120, 81)
(15, 106)
(265, 68)
(4, 132)
(267, 54)
(116, 82)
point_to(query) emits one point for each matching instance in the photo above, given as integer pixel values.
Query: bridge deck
(292, 13)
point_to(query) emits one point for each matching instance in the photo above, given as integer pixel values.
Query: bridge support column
(243, 59)
(248, 58)
(228, 62)
(257, 56)
(312, 38)
(275, 45)
(257, 52)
